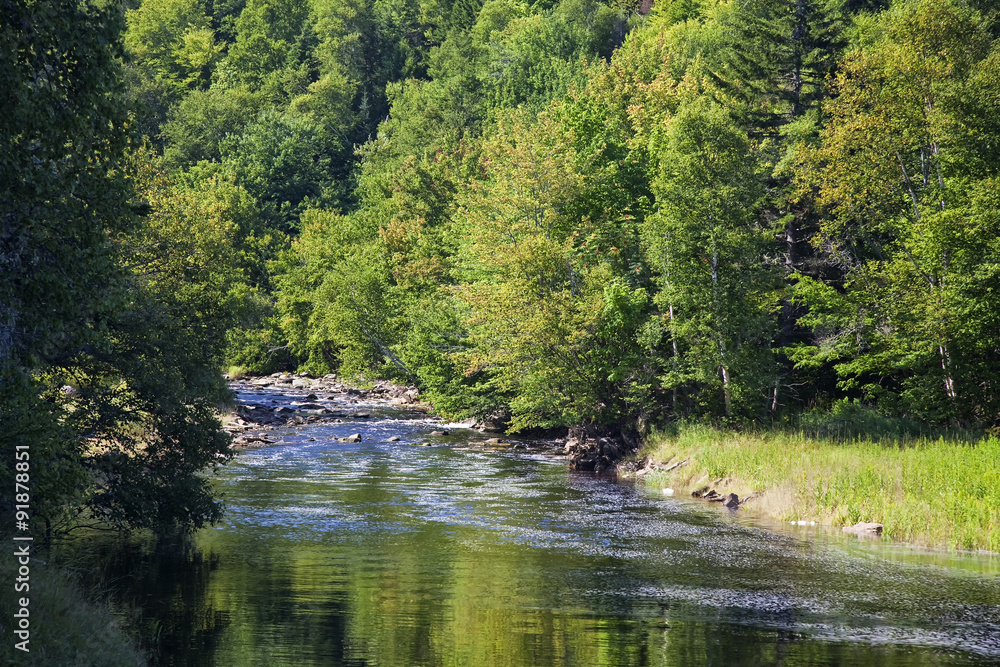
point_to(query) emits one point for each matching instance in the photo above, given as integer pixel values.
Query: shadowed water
(396, 554)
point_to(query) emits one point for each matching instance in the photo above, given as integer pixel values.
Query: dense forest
(556, 214)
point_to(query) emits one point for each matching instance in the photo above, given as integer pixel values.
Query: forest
(617, 215)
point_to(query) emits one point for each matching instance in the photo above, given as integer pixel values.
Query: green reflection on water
(395, 557)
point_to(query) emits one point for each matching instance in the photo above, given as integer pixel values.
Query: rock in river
(863, 528)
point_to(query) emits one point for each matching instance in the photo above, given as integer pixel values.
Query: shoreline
(924, 493)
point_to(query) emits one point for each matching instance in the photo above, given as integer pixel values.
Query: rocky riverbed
(312, 401)
(268, 406)
(328, 400)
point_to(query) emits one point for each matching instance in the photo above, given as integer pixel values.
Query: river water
(457, 553)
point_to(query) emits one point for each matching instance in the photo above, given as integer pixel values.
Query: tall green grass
(66, 628)
(938, 492)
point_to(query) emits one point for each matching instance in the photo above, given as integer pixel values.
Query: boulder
(731, 500)
(864, 528)
(440, 432)
(354, 437)
(490, 426)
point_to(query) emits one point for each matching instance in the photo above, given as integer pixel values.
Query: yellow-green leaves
(900, 180)
(173, 40)
(551, 318)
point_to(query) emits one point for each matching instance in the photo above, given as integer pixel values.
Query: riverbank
(926, 492)
(66, 628)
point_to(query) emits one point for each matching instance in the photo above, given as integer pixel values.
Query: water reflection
(384, 553)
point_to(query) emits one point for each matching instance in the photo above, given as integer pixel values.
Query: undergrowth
(66, 628)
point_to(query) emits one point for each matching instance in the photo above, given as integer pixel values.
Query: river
(459, 553)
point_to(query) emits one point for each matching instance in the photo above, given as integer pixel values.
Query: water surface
(457, 553)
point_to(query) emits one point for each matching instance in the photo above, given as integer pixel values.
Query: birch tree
(716, 290)
(906, 176)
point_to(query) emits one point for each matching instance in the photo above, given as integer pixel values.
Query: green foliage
(112, 322)
(203, 120)
(333, 302)
(905, 187)
(173, 41)
(773, 55)
(562, 211)
(849, 420)
(171, 49)
(547, 316)
(416, 205)
(530, 58)
(287, 164)
(267, 32)
(645, 202)
(716, 288)
(436, 343)
(438, 114)
(60, 190)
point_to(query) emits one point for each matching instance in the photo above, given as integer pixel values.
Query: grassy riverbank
(66, 627)
(935, 492)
